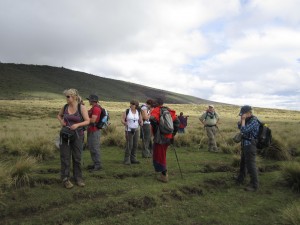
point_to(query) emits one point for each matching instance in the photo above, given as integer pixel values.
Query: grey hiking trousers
(248, 165)
(71, 150)
(146, 138)
(93, 140)
(132, 139)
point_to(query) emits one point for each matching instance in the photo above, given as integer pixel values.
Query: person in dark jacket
(249, 127)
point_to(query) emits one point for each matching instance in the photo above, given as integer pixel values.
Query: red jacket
(156, 114)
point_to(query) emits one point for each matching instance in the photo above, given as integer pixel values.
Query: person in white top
(131, 119)
(146, 129)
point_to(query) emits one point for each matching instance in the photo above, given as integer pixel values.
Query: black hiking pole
(177, 161)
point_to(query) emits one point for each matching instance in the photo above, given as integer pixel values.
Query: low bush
(291, 175)
(21, 172)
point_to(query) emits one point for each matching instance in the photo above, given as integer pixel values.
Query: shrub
(291, 175)
(276, 151)
(291, 214)
(21, 172)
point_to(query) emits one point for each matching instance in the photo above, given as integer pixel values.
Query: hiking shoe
(90, 167)
(250, 188)
(80, 183)
(95, 169)
(163, 178)
(68, 184)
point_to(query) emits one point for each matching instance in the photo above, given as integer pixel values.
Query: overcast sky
(241, 52)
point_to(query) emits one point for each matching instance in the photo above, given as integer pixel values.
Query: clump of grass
(5, 178)
(236, 161)
(291, 175)
(41, 148)
(21, 172)
(291, 214)
(114, 139)
(183, 140)
(276, 151)
(226, 149)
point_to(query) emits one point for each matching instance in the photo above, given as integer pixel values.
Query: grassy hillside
(19, 81)
(31, 191)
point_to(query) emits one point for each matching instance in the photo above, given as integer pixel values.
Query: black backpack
(264, 138)
(103, 120)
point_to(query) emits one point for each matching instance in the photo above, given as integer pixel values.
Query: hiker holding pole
(162, 122)
(131, 119)
(73, 116)
(210, 119)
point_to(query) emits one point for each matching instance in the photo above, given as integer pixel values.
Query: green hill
(20, 81)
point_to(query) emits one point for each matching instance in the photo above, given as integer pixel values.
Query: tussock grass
(291, 214)
(21, 172)
(291, 175)
(276, 151)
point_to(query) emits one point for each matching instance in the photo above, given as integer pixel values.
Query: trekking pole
(202, 138)
(177, 161)
(221, 135)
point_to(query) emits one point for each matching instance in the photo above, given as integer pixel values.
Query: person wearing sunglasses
(132, 119)
(73, 117)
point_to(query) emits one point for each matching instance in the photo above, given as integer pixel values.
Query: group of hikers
(154, 120)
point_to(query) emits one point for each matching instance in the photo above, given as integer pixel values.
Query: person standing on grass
(93, 133)
(131, 119)
(146, 129)
(210, 119)
(161, 141)
(72, 117)
(249, 127)
(183, 122)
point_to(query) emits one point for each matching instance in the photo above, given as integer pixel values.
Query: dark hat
(245, 109)
(93, 98)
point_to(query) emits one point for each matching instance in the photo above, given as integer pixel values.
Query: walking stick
(221, 135)
(177, 161)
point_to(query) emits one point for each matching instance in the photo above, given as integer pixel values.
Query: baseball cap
(93, 98)
(245, 109)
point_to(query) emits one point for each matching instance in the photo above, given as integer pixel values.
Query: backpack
(103, 120)
(211, 115)
(166, 125)
(264, 137)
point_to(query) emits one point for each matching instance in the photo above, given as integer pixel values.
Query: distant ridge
(21, 81)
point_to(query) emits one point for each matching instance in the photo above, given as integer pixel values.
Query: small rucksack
(264, 137)
(103, 120)
(166, 125)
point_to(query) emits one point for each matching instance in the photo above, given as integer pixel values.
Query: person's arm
(145, 115)
(140, 119)
(60, 117)
(123, 119)
(95, 113)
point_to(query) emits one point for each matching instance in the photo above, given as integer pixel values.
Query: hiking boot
(163, 178)
(250, 188)
(90, 167)
(80, 183)
(95, 169)
(68, 184)
(127, 162)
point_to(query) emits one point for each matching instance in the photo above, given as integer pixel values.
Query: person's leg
(250, 158)
(134, 139)
(146, 136)
(128, 147)
(94, 147)
(210, 136)
(160, 161)
(242, 173)
(65, 161)
(76, 148)
(214, 143)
